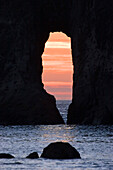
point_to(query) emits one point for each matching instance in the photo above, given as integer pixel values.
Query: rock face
(33, 155)
(92, 50)
(60, 150)
(22, 38)
(24, 29)
(5, 156)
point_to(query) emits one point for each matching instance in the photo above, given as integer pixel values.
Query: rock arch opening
(57, 75)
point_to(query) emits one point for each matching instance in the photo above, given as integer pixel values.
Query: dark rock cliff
(23, 33)
(92, 50)
(24, 29)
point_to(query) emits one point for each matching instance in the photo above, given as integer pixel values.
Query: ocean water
(94, 143)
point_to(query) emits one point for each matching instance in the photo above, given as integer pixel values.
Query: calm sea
(95, 144)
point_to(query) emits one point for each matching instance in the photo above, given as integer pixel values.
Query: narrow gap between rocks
(57, 74)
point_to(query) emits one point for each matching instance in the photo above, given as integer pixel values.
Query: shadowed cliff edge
(24, 29)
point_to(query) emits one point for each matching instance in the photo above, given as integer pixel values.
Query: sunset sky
(57, 66)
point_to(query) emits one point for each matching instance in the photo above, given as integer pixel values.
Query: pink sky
(57, 66)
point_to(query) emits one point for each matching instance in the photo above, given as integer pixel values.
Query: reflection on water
(94, 143)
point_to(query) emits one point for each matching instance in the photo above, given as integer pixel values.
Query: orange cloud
(57, 66)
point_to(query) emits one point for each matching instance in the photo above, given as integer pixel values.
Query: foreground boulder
(6, 156)
(60, 150)
(33, 155)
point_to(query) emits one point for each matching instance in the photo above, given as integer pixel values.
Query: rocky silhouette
(24, 29)
(33, 155)
(60, 150)
(5, 156)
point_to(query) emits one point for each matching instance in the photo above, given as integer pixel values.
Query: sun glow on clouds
(57, 66)
(58, 45)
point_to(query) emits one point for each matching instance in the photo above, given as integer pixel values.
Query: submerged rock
(60, 150)
(33, 155)
(6, 156)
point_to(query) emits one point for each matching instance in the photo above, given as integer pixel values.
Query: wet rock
(6, 156)
(60, 150)
(33, 155)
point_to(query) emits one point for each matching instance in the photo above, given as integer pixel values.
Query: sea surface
(94, 143)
